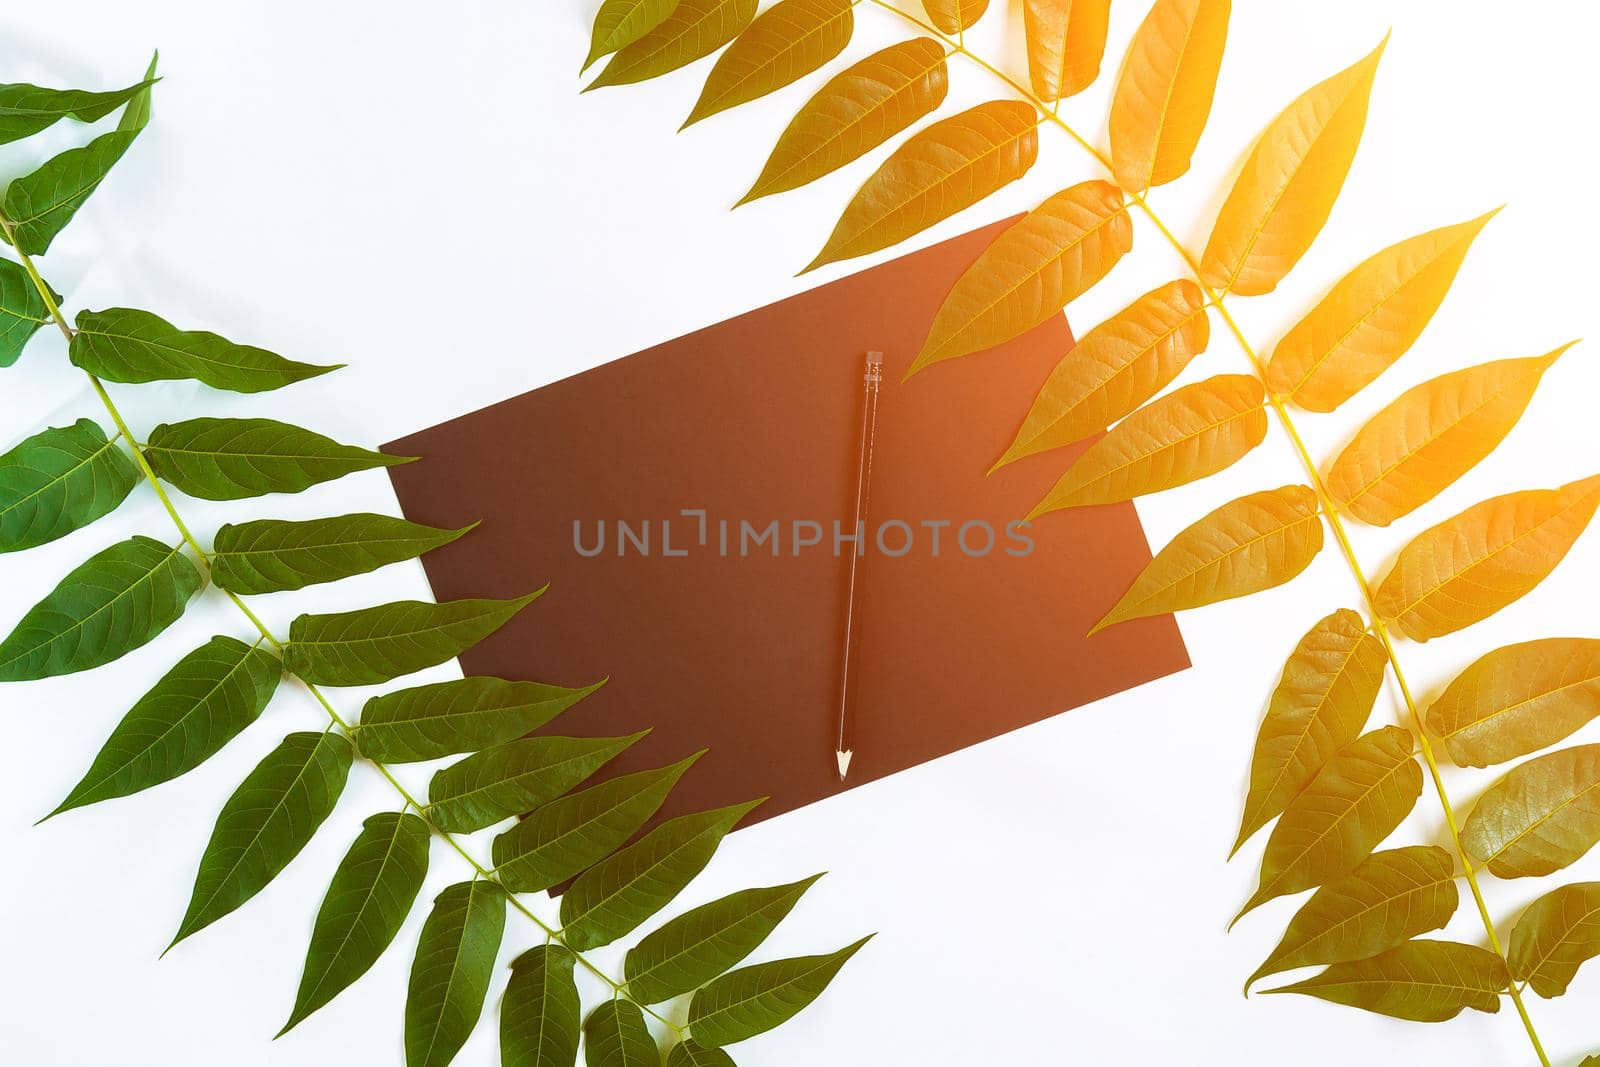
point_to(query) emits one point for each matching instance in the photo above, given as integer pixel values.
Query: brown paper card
(755, 419)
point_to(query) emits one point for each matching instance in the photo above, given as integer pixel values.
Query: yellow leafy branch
(1329, 507)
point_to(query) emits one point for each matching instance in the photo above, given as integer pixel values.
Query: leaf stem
(335, 719)
(1329, 507)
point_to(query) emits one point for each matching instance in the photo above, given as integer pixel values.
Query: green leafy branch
(123, 597)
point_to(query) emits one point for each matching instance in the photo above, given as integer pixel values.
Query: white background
(418, 189)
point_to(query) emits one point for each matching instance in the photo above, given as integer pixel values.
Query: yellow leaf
(1066, 41)
(693, 30)
(1186, 435)
(1116, 367)
(1422, 981)
(1164, 95)
(1388, 899)
(619, 23)
(1370, 319)
(1518, 699)
(1539, 818)
(1253, 543)
(1321, 705)
(855, 113)
(949, 166)
(1047, 258)
(1282, 198)
(1470, 566)
(1352, 804)
(1412, 450)
(953, 16)
(1555, 935)
(785, 43)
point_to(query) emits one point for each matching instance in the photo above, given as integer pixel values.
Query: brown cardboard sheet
(758, 419)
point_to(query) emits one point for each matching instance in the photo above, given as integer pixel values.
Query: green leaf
(376, 644)
(450, 974)
(27, 109)
(137, 115)
(60, 480)
(539, 1018)
(232, 459)
(700, 944)
(1388, 899)
(368, 899)
(265, 824)
(1542, 816)
(1556, 935)
(466, 715)
(515, 777)
(689, 1054)
(126, 345)
(615, 1035)
(619, 23)
(22, 310)
(622, 892)
(1518, 699)
(1352, 804)
(270, 555)
(753, 1000)
(116, 601)
(566, 836)
(41, 204)
(1423, 981)
(197, 707)
(1322, 703)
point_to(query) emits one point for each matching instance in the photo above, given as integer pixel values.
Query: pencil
(872, 379)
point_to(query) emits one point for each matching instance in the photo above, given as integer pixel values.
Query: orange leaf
(1518, 699)
(1370, 319)
(693, 30)
(785, 43)
(619, 23)
(1542, 816)
(953, 16)
(1164, 94)
(1495, 552)
(948, 166)
(1352, 804)
(1253, 543)
(1066, 41)
(1117, 366)
(1282, 198)
(855, 113)
(1047, 258)
(1322, 703)
(1433, 434)
(1186, 435)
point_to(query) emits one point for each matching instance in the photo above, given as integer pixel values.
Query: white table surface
(418, 189)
